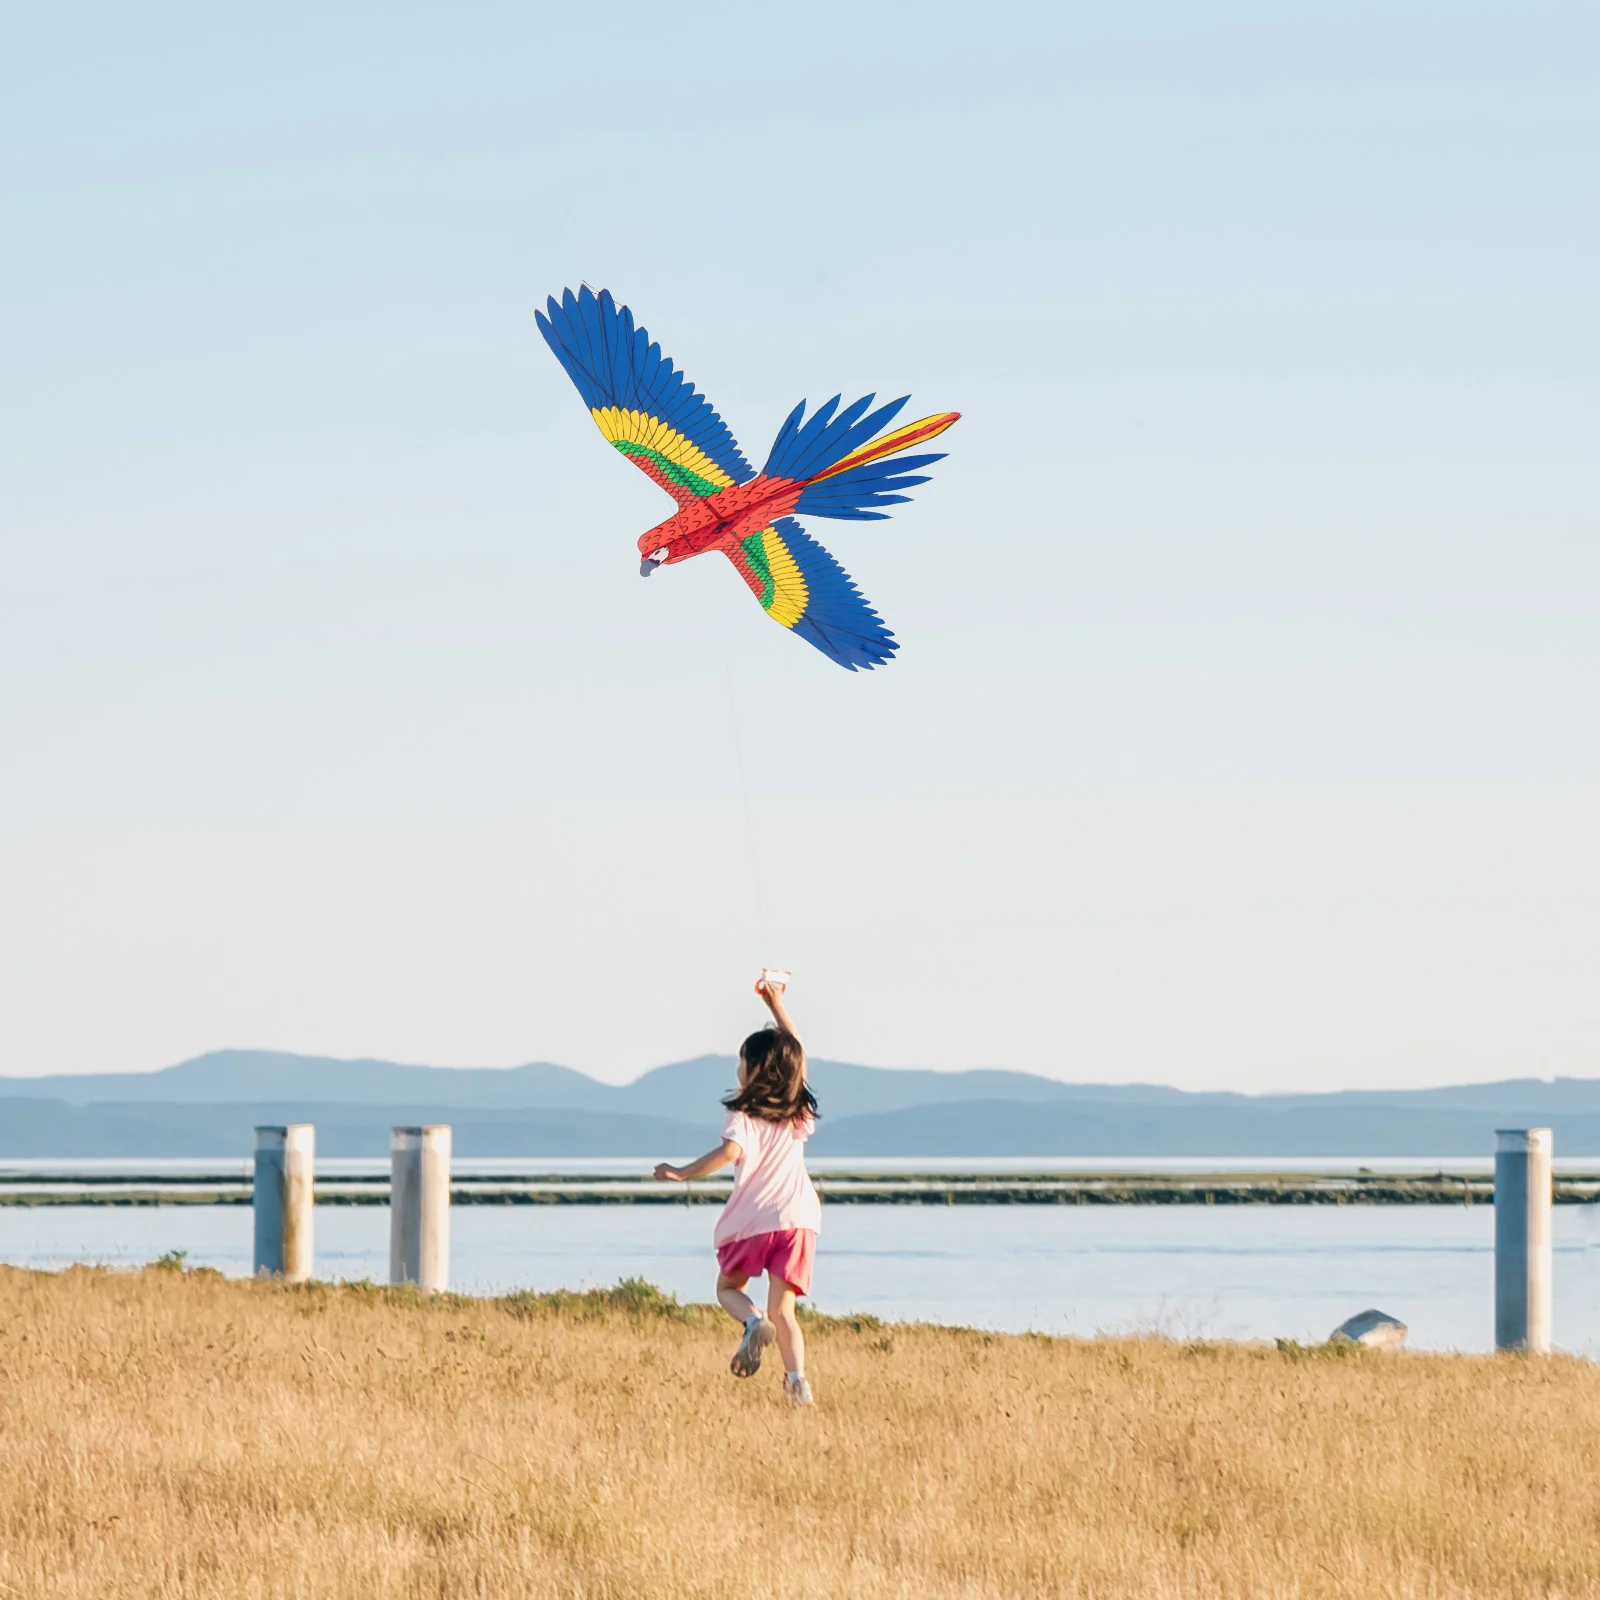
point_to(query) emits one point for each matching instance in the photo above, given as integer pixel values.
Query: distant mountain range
(207, 1107)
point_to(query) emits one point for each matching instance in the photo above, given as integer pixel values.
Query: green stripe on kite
(692, 481)
(756, 555)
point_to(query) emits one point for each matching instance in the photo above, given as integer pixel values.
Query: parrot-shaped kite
(823, 466)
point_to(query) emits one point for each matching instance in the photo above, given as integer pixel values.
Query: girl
(771, 1219)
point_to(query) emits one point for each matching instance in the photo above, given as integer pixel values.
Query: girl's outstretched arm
(712, 1161)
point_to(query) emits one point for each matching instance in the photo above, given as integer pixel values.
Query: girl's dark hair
(775, 1085)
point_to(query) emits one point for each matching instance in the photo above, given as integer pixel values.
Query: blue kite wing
(645, 407)
(800, 585)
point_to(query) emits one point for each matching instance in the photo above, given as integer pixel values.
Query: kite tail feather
(846, 471)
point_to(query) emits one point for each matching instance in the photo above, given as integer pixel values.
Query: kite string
(749, 814)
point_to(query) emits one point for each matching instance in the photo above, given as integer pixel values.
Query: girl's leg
(733, 1299)
(757, 1330)
(780, 1309)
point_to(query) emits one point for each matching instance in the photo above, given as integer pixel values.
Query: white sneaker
(796, 1390)
(758, 1334)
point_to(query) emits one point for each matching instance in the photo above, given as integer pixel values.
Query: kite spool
(773, 980)
(419, 1207)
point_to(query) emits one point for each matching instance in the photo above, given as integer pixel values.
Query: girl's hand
(666, 1173)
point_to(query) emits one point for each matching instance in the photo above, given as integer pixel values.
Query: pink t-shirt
(771, 1188)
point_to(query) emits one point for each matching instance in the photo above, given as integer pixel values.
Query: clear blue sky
(1244, 728)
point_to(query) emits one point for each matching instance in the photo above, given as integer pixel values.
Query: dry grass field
(167, 1434)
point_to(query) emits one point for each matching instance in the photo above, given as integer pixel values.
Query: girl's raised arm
(780, 1012)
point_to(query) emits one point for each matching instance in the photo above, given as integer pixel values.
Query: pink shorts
(786, 1254)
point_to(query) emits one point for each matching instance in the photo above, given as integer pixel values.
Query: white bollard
(285, 1200)
(1523, 1260)
(419, 1207)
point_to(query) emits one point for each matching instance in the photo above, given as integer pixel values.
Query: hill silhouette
(207, 1106)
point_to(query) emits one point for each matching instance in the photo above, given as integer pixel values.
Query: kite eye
(659, 556)
(651, 562)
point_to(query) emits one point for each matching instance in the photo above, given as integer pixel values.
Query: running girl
(771, 1219)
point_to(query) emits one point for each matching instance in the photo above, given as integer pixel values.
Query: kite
(832, 464)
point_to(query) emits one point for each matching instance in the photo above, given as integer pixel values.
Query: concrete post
(284, 1200)
(419, 1207)
(1523, 1260)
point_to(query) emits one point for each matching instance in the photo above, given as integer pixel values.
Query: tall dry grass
(165, 1434)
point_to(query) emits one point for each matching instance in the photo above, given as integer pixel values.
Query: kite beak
(651, 562)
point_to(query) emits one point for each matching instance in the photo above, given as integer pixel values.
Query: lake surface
(1235, 1272)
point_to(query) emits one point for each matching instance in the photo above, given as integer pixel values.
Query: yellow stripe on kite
(789, 591)
(636, 427)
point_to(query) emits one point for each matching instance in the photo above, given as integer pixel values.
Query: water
(1246, 1272)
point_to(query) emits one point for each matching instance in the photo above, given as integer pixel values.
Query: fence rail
(1221, 1187)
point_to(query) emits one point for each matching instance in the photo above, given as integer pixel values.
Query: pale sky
(1243, 733)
